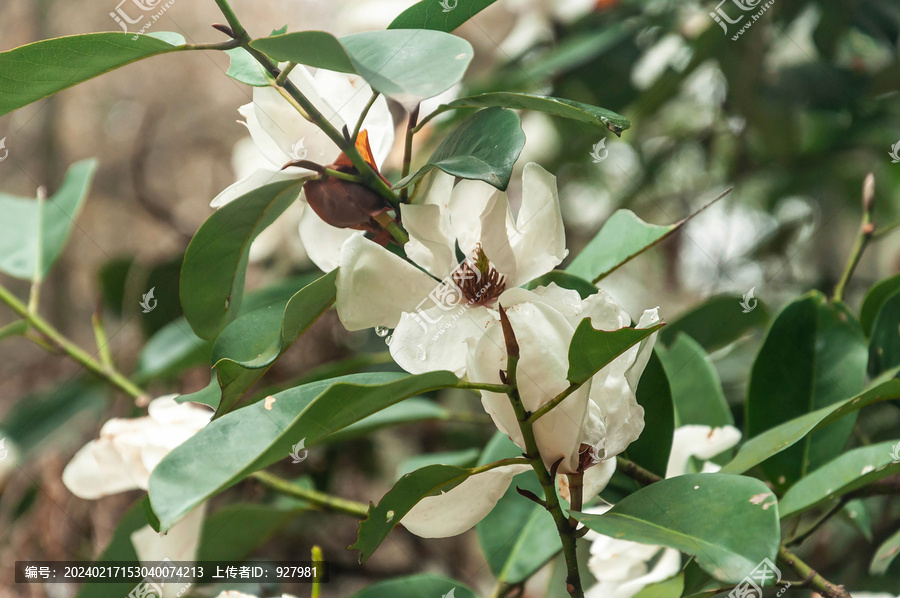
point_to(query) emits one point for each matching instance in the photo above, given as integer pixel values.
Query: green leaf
(577, 111)
(483, 147)
(254, 341)
(777, 439)
(33, 233)
(728, 523)
(246, 69)
(670, 588)
(173, 349)
(875, 299)
(119, 548)
(884, 344)
(591, 350)
(717, 322)
(409, 411)
(406, 493)
(235, 445)
(402, 64)
(465, 458)
(416, 586)
(232, 533)
(215, 264)
(655, 394)
(34, 71)
(814, 356)
(622, 238)
(517, 537)
(885, 555)
(854, 469)
(439, 15)
(565, 280)
(857, 515)
(696, 388)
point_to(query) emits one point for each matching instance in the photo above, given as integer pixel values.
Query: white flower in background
(621, 567)
(122, 458)
(282, 135)
(376, 288)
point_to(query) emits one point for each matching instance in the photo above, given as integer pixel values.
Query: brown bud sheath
(345, 204)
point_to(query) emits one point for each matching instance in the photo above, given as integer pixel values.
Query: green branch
(324, 501)
(58, 340)
(863, 238)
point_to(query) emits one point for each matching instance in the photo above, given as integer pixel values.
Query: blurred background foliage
(792, 114)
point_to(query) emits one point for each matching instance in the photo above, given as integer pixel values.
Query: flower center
(478, 280)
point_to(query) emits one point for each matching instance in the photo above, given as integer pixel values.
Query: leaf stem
(407, 150)
(101, 339)
(57, 339)
(363, 115)
(809, 575)
(501, 388)
(801, 538)
(317, 557)
(866, 232)
(326, 502)
(283, 75)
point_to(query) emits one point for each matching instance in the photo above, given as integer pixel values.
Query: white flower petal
(597, 477)
(179, 544)
(539, 238)
(648, 319)
(431, 243)
(85, 478)
(703, 442)
(438, 338)
(615, 419)
(668, 565)
(375, 287)
(544, 335)
(322, 241)
(454, 512)
(468, 203)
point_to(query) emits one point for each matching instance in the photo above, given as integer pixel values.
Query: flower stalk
(863, 238)
(322, 500)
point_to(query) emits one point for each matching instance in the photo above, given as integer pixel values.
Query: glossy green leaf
(235, 445)
(591, 349)
(717, 322)
(563, 279)
(483, 147)
(655, 394)
(577, 111)
(215, 264)
(404, 64)
(254, 341)
(400, 499)
(440, 15)
(622, 238)
(856, 513)
(465, 458)
(517, 537)
(885, 555)
(409, 411)
(884, 344)
(696, 388)
(854, 469)
(814, 355)
(670, 588)
(728, 523)
(777, 439)
(34, 71)
(33, 233)
(416, 586)
(246, 69)
(875, 299)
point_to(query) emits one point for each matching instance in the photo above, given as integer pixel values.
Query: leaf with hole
(235, 445)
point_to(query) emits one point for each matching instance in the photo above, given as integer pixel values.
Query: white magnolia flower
(282, 135)
(455, 325)
(122, 458)
(621, 567)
